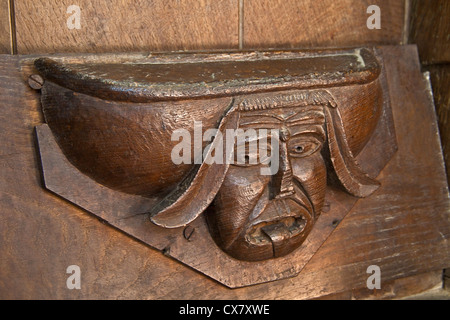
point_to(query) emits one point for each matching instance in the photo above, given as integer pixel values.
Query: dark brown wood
(124, 26)
(187, 76)
(289, 200)
(5, 30)
(440, 80)
(124, 212)
(397, 289)
(119, 26)
(429, 29)
(403, 227)
(306, 24)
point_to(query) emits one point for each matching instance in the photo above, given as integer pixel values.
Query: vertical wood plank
(309, 23)
(430, 30)
(440, 80)
(122, 26)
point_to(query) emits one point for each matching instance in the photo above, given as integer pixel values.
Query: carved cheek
(310, 173)
(234, 203)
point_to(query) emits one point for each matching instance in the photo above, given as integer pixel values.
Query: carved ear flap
(198, 190)
(348, 171)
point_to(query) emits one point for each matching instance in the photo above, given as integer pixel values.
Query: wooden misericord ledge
(392, 210)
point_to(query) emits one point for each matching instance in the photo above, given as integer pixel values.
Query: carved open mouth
(269, 232)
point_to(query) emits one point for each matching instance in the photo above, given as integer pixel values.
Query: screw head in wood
(35, 81)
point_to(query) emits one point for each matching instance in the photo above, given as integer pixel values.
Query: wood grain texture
(403, 228)
(89, 116)
(430, 29)
(291, 23)
(5, 32)
(122, 26)
(395, 289)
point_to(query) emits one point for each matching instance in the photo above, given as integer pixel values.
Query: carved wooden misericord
(107, 146)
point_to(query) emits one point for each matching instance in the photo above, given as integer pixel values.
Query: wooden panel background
(5, 39)
(117, 25)
(112, 26)
(430, 30)
(310, 23)
(42, 234)
(440, 81)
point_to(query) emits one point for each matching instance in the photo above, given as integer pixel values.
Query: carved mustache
(281, 206)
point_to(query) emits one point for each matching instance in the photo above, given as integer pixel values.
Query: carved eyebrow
(305, 113)
(314, 129)
(270, 119)
(307, 117)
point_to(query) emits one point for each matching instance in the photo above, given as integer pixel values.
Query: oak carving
(114, 122)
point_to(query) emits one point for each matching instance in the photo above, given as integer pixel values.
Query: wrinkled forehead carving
(297, 99)
(299, 111)
(286, 116)
(296, 121)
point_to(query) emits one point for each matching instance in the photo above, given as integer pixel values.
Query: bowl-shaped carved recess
(114, 120)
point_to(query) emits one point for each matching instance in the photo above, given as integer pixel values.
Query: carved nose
(282, 185)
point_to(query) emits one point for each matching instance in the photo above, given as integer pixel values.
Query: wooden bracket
(107, 146)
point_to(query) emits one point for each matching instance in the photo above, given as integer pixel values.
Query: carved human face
(257, 217)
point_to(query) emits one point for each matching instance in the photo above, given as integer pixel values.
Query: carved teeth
(276, 231)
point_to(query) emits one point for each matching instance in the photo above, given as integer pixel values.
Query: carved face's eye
(304, 146)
